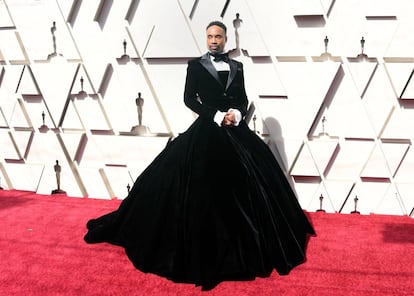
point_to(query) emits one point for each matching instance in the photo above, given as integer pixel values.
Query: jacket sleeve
(242, 107)
(191, 93)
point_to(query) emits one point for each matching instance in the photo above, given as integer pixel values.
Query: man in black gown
(214, 205)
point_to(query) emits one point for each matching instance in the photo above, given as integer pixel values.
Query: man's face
(216, 39)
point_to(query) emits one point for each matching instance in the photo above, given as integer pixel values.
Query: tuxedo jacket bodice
(204, 92)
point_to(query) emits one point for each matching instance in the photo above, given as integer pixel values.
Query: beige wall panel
(143, 22)
(378, 31)
(322, 152)
(391, 203)
(345, 115)
(5, 20)
(8, 149)
(22, 139)
(305, 164)
(71, 120)
(308, 195)
(187, 6)
(168, 82)
(44, 148)
(9, 82)
(35, 107)
(345, 38)
(350, 160)
(91, 113)
(296, 113)
(269, 84)
(65, 7)
(406, 170)
(93, 182)
(376, 165)
(399, 125)
(325, 204)
(91, 41)
(35, 22)
(242, 31)
(72, 143)
(3, 122)
(121, 150)
(5, 182)
(287, 149)
(24, 176)
(19, 117)
(170, 38)
(361, 73)
(394, 153)
(27, 83)
(10, 46)
(406, 193)
(399, 74)
(280, 31)
(379, 100)
(119, 179)
(402, 43)
(120, 99)
(277, 146)
(54, 81)
(67, 181)
(368, 194)
(82, 84)
(337, 192)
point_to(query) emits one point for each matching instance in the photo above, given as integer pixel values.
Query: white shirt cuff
(237, 115)
(218, 118)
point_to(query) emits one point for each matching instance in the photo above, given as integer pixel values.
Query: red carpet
(43, 253)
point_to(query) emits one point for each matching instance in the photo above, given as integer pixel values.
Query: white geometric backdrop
(330, 83)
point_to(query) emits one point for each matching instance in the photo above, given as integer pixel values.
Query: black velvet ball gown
(214, 205)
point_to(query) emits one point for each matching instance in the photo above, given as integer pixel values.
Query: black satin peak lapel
(206, 62)
(233, 72)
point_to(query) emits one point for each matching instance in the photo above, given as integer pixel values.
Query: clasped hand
(229, 119)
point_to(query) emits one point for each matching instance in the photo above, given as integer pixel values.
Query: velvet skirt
(214, 205)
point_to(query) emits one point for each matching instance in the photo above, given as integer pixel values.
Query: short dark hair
(219, 24)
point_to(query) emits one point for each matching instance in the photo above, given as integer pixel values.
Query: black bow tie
(218, 57)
